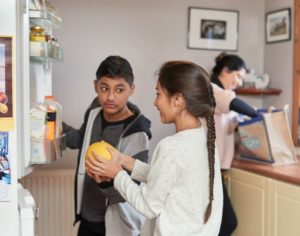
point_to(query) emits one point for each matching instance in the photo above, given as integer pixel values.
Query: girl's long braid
(211, 136)
(193, 82)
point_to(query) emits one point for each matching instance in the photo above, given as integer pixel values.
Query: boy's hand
(97, 178)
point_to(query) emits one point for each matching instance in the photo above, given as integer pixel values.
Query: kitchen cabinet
(249, 195)
(264, 206)
(284, 209)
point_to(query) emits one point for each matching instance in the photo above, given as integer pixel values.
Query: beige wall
(147, 33)
(278, 60)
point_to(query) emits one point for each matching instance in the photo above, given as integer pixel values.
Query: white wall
(278, 61)
(147, 33)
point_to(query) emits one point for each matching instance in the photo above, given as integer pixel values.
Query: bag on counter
(267, 138)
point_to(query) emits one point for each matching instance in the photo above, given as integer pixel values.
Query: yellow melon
(100, 148)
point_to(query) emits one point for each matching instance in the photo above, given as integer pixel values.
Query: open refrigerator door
(28, 212)
(39, 51)
(26, 62)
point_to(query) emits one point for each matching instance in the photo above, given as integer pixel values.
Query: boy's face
(113, 95)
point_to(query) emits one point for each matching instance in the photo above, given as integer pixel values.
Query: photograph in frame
(213, 29)
(278, 26)
(6, 84)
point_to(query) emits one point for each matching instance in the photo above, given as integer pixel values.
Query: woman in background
(227, 74)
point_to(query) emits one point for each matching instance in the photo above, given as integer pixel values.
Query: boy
(110, 117)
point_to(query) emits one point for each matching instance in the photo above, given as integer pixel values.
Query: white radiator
(53, 191)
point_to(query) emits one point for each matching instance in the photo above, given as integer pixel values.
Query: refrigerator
(25, 79)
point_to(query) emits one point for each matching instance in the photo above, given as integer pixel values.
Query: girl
(182, 194)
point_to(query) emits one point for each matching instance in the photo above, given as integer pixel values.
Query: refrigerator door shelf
(42, 51)
(42, 18)
(44, 151)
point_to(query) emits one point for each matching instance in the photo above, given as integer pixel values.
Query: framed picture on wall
(212, 29)
(278, 26)
(6, 83)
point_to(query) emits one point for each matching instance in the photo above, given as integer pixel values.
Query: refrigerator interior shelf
(44, 151)
(44, 50)
(45, 18)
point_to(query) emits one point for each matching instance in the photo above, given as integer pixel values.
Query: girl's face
(164, 104)
(232, 79)
(113, 95)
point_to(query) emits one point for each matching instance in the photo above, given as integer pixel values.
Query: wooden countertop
(286, 173)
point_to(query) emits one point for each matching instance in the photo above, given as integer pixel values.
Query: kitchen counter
(286, 173)
(266, 198)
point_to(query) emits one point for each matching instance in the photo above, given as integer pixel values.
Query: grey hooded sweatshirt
(98, 203)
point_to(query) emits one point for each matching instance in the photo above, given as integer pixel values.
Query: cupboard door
(249, 194)
(284, 209)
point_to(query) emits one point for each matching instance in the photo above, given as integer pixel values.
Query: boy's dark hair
(115, 67)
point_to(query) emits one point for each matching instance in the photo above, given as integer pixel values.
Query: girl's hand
(105, 168)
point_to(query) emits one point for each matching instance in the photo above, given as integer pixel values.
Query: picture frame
(278, 26)
(6, 83)
(213, 29)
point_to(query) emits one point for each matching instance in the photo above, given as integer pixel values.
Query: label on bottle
(51, 125)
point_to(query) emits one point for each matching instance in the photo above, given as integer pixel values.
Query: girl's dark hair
(115, 67)
(231, 61)
(192, 81)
